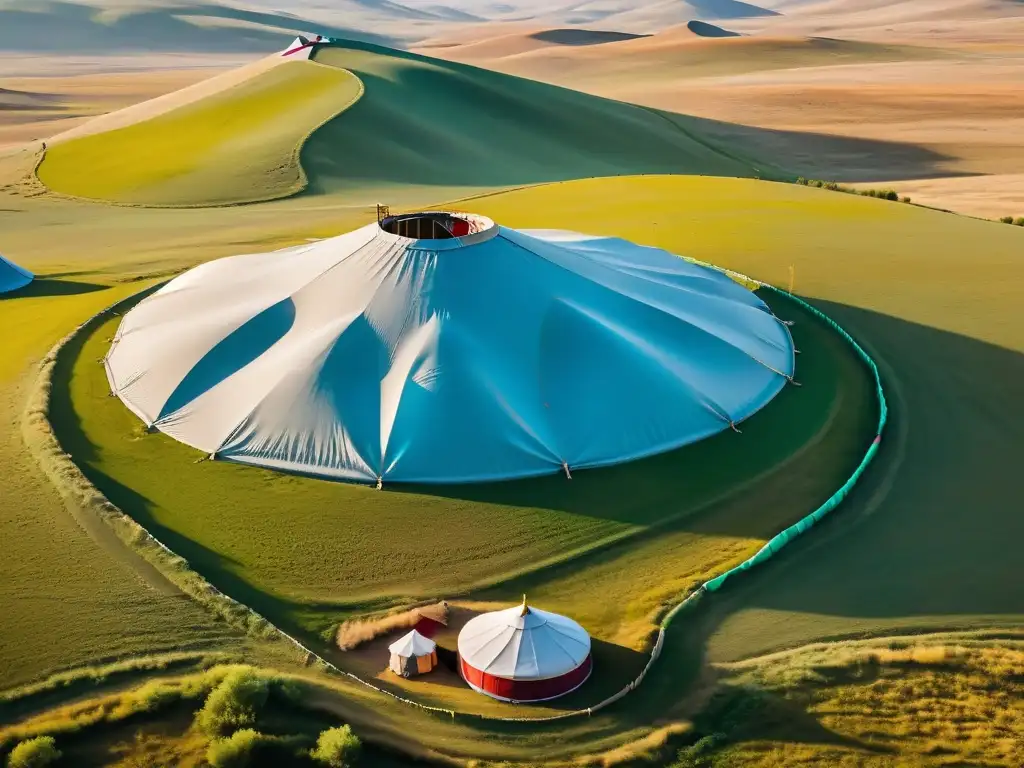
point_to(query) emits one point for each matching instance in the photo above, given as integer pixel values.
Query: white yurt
(413, 654)
(13, 277)
(442, 348)
(524, 654)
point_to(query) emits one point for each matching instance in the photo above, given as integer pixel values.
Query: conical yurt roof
(523, 643)
(412, 644)
(492, 355)
(13, 277)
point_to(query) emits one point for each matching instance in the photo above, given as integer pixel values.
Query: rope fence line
(59, 466)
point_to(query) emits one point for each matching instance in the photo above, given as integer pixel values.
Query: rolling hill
(418, 123)
(239, 145)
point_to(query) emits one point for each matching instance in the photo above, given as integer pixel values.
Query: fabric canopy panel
(13, 277)
(524, 654)
(498, 354)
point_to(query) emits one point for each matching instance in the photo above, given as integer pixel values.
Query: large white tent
(13, 277)
(442, 348)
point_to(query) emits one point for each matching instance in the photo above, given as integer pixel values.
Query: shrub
(891, 195)
(337, 747)
(34, 753)
(234, 704)
(237, 750)
(1007, 219)
(1019, 221)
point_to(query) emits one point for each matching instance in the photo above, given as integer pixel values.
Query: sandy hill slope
(652, 16)
(622, 15)
(939, 21)
(496, 41)
(415, 122)
(141, 26)
(684, 51)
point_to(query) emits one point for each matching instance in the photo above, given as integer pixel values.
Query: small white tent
(13, 277)
(413, 654)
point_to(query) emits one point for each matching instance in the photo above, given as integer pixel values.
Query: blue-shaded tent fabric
(496, 355)
(13, 277)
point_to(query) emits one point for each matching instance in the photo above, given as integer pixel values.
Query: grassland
(929, 542)
(99, 606)
(240, 146)
(307, 568)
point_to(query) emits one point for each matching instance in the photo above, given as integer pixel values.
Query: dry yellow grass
(942, 700)
(358, 631)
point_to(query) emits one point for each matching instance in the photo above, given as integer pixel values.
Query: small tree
(234, 704)
(34, 753)
(337, 748)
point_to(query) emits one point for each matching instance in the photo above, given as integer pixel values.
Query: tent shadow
(41, 287)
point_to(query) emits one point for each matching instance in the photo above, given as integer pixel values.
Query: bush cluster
(1019, 221)
(881, 194)
(34, 753)
(236, 751)
(235, 703)
(337, 748)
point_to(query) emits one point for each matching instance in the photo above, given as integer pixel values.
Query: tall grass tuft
(354, 633)
(34, 753)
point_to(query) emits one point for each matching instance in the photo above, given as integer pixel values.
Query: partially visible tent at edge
(13, 277)
(438, 348)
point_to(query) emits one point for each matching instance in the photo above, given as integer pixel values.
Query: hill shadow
(934, 529)
(704, 29)
(582, 37)
(828, 156)
(527, 132)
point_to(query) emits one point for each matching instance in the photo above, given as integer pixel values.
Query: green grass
(166, 722)
(239, 146)
(69, 598)
(425, 123)
(930, 541)
(423, 126)
(301, 549)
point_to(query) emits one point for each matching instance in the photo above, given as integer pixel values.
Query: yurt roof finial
(526, 608)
